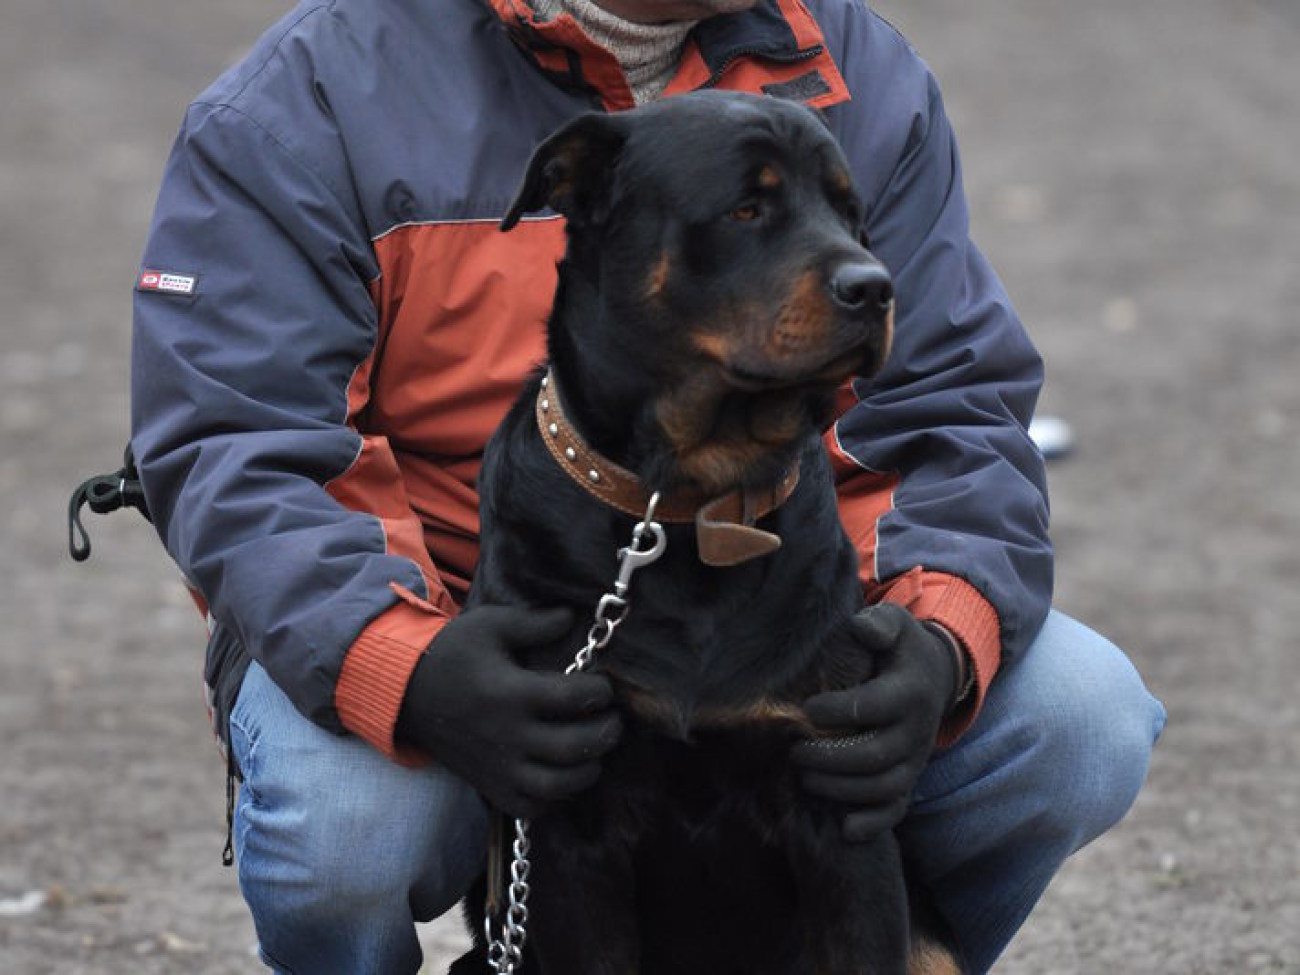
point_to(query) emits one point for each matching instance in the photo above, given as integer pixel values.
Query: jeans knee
(309, 866)
(328, 830)
(1095, 728)
(349, 882)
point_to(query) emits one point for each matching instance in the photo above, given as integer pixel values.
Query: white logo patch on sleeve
(168, 282)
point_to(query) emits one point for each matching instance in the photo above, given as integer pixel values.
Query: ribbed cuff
(378, 668)
(959, 608)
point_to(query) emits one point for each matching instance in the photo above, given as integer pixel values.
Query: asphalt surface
(1133, 175)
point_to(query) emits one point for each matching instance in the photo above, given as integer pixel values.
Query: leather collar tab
(724, 526)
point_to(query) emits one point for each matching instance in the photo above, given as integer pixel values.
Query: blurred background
(1133, 174)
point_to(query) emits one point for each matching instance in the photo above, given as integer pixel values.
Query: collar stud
(724, 525)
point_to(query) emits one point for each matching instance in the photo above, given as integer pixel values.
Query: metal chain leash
(506, 945)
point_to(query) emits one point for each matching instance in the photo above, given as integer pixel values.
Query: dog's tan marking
(713, 345)
(928, 958)
(715, 459)
(777, 418)
(655, 711)
(659, 712)
(803, 323)
(769, 177)
(838, 181)
(658, 277)
(719, 466)
(762, 712)
(686, 412)
(719, 455)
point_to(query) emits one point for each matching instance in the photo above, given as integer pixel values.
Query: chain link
(506, 946)
(506, 950)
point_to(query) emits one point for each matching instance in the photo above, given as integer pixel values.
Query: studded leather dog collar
(724, 526)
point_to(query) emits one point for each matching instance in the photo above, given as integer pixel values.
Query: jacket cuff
(960, 609)
(378, 668)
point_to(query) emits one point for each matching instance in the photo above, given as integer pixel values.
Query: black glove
(523, 738)
(885, 728)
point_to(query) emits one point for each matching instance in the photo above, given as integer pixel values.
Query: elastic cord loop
(104, 493)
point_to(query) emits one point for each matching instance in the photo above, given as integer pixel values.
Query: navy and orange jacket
(329, 326)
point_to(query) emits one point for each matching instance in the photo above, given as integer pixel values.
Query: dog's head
(716, 273)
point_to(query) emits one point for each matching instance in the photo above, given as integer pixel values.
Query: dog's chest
(684, 659)
(706, 782)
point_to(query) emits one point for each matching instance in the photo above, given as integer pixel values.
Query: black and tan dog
(714, 296)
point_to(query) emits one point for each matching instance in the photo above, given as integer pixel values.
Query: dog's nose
(859, 287)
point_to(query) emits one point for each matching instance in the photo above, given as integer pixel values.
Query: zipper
(746, 52)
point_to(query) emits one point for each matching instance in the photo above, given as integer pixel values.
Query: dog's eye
(746, 212)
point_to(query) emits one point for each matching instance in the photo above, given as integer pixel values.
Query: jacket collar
(774, 48)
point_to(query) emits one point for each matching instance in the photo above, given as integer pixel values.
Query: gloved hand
(880, 733)
(522, 738)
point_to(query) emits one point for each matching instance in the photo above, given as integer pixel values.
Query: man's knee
(355, 849)
(327, 829)
(1090, 723)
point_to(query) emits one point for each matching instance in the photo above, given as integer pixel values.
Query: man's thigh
(1055, 758)
(329, 809)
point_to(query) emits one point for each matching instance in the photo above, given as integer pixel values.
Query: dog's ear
(572, 171)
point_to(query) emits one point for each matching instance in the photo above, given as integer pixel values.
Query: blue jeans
(340, 851)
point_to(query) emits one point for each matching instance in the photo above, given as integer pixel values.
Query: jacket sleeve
(244, 391)
(941, 487)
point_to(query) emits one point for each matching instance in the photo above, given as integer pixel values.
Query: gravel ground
(1132, 170)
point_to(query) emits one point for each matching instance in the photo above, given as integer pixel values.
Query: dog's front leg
(852, 899)
(582, 920)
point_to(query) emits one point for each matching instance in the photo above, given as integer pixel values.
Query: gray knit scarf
(648, 53)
